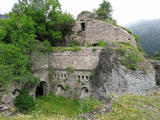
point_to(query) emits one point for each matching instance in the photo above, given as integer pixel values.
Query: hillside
(127, 107)
(149, 32)
(4, 16)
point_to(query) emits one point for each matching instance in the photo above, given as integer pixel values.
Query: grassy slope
(133, 107)
(128, 107)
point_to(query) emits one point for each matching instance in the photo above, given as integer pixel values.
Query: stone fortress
(91, 71)
(70, 73)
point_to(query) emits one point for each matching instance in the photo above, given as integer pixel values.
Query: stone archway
(42, 89)
(59, 90)
(84, 93)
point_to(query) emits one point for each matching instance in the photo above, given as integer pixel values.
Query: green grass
(126, 107)
(131, 57)
(63, 49)
(133, 107)
(49, 105)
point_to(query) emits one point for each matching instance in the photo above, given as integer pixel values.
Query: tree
(49, 21)
(104, 12)
(31, 27)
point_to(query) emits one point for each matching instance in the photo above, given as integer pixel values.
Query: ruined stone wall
(52, 69)
(97, 30)
(91, 31)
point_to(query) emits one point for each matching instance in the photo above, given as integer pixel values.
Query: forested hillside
(149, 32)
(32, 27)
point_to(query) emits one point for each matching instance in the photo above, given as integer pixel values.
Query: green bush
(65, 79)
(69, 70)
(158, 81)
(101, 43)
(67, 87)
(73, 43)
(94, 49)
(24, 102)
(122, 51)
(88, 104)
(89, 45)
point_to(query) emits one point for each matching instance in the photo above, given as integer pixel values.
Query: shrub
(73, 43)
(24, 102)
(94, 49)
(89, 45)
(88, 104)
(65, 79)
(101, 43)
(158, 81)
(122, 51)
(79, 80)
(67, 87)
(69, 70)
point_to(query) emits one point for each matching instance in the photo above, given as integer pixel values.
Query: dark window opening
(83, 26)
(58, 75)
(79, 77)
(95, 44)
(82, 77)
(55, 75)
(87, 77)
(129, 38)
(65, 76)
(41, 89)
(15, 91)
(62, 75)
(85, 89)
(61, 87)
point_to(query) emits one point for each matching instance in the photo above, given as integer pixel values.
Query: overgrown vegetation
(127, 107)
(69, 69)
(100, 43)
(156, 56)
(134, 107)
(57, 105)
(131, 57)
(32, 27)
(63, 49)
(24, 102)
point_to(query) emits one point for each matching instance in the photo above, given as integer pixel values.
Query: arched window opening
(79, 77)
(84, 93)
(83, 26)
(16, 91)
(60, 90)
(61, 75)
(41, 89)
(87, 77)
(55, 75)
(65, 75)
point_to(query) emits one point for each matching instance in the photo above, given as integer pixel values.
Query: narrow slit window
(83, 26)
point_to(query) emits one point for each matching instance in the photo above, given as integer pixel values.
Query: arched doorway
(60, 90)
(84, 93)
(42, 89)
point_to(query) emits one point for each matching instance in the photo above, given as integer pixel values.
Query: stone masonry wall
(52, 69)
(91, 31)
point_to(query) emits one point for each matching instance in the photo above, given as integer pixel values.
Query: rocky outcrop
(111, 77)
(7, 95)
(156, 64)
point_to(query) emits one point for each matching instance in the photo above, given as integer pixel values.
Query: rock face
(156, 64)
(7, 95)
(90, 31)
(112, 77)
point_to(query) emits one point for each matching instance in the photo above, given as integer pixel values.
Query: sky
(124, 11)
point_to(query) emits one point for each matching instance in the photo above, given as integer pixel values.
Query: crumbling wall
(68, 73)
(88, 30)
